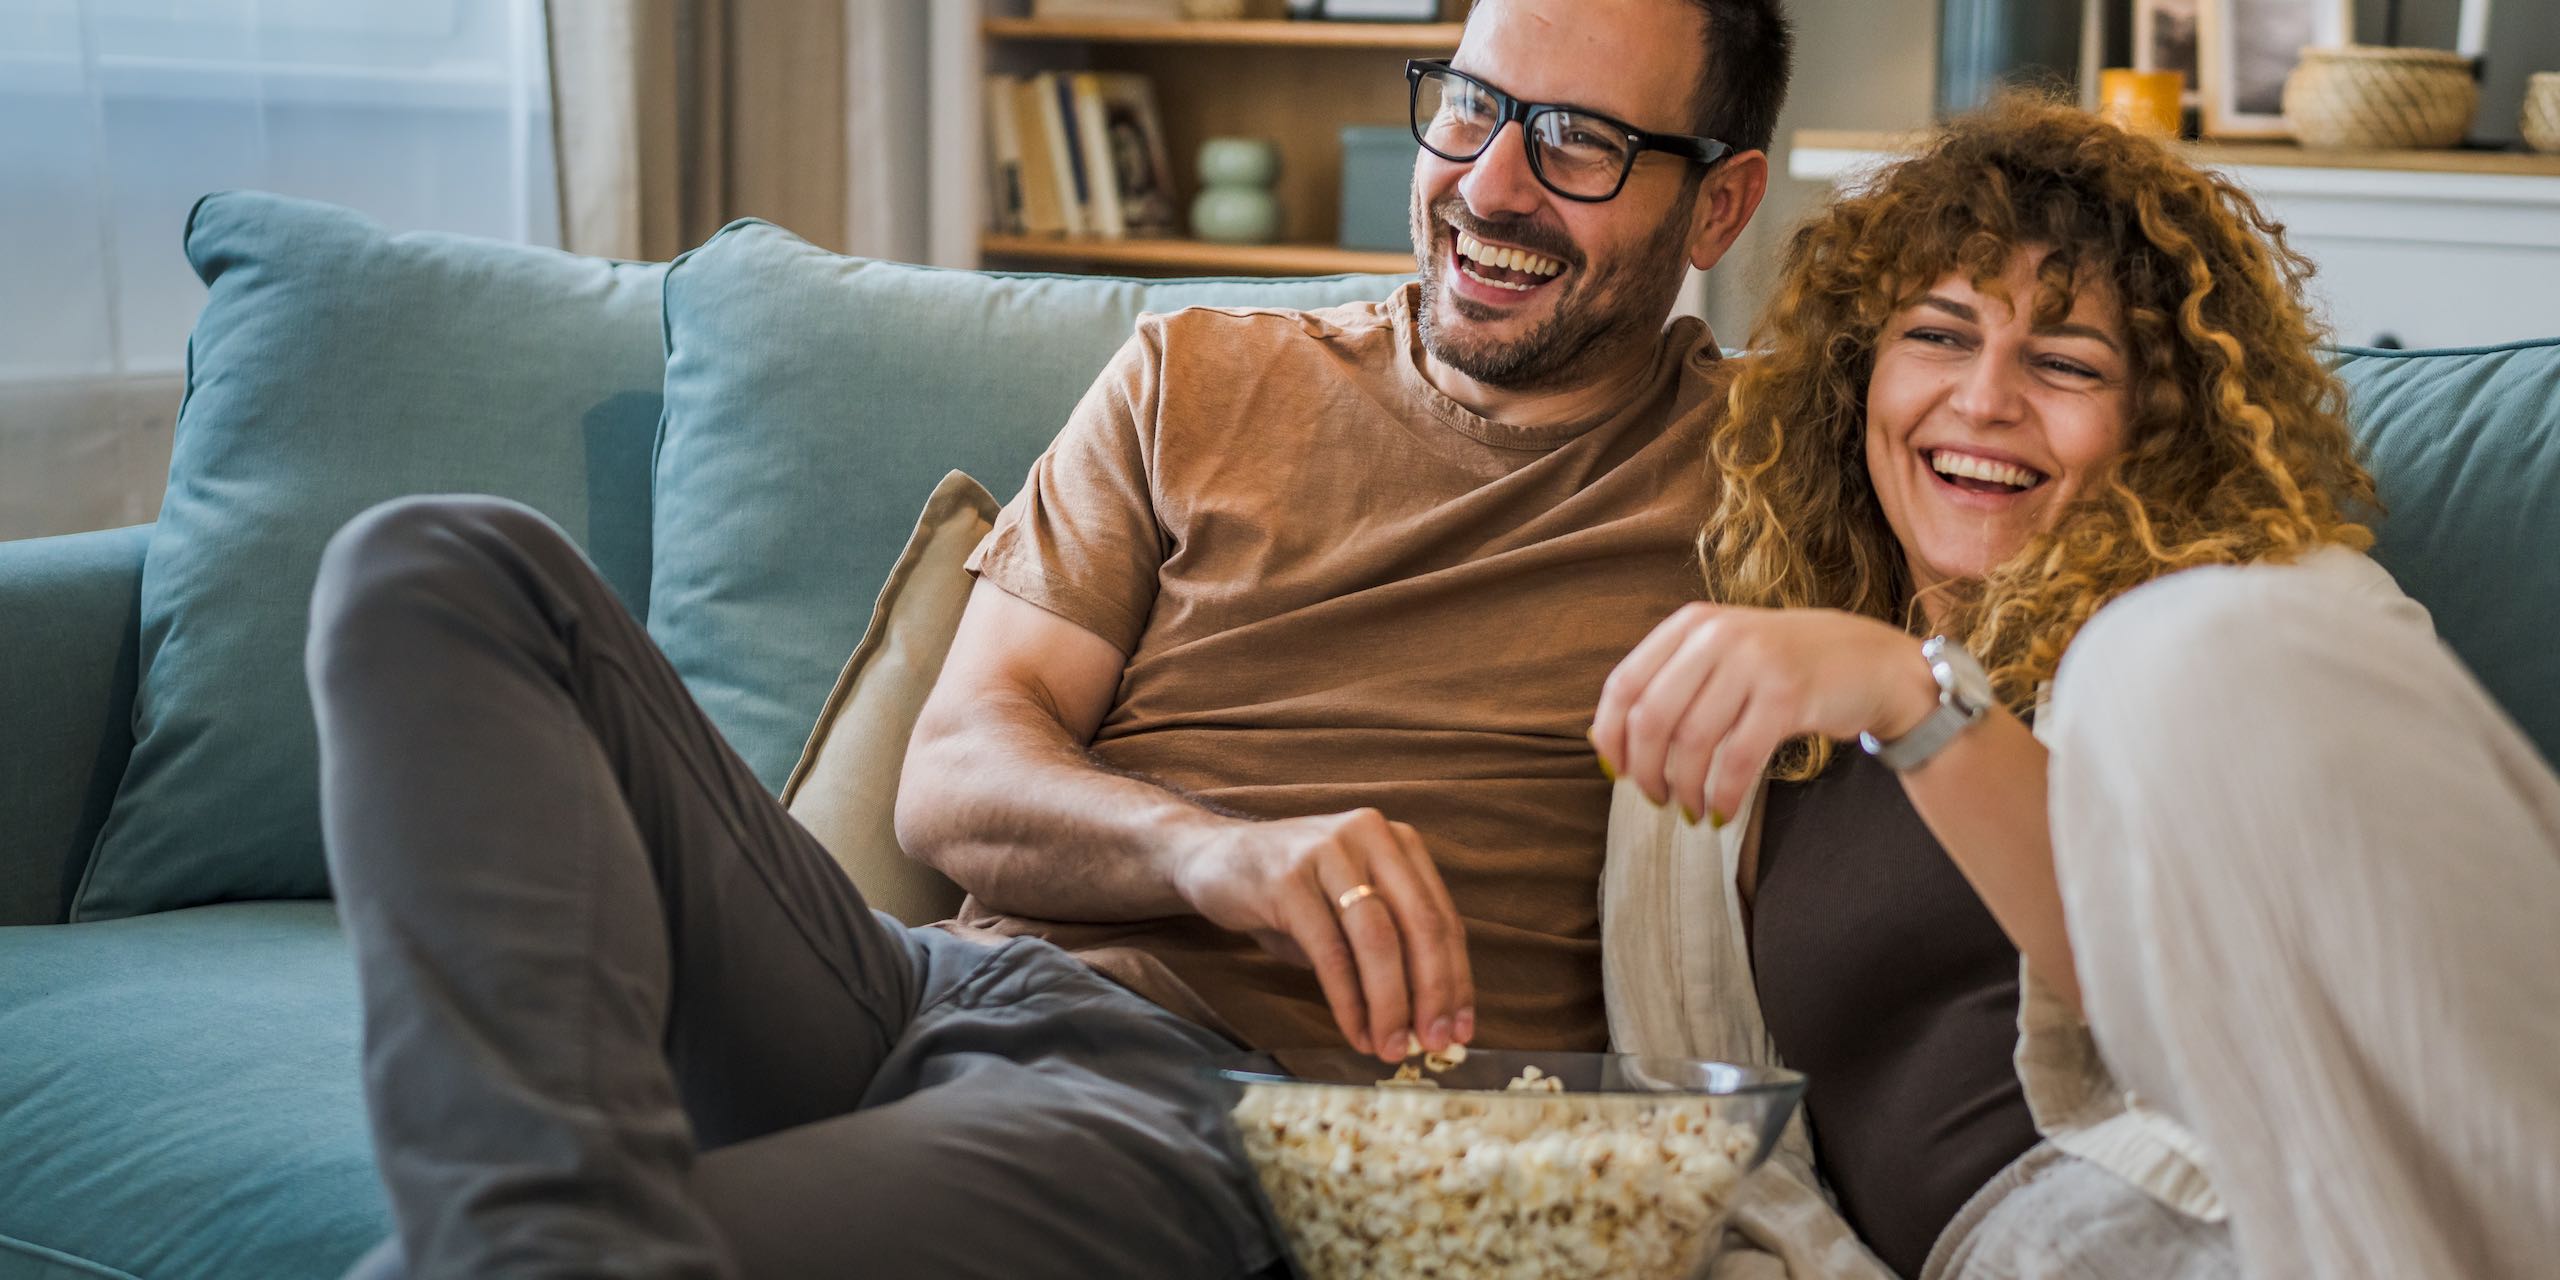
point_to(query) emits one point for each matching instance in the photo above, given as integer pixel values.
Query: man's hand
(1000, 795)
(1391, 961)
(1697, 710)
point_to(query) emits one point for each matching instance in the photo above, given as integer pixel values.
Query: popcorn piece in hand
(1410, 1076)
(1444, 1061)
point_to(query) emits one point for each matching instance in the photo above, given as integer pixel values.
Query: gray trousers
(624, 1016)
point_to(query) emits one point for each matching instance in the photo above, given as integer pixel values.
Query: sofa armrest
(70, 648)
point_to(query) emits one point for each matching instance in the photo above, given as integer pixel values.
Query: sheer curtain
(679, 115)
(116, 114)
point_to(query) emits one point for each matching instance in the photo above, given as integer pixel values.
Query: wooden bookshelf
(1146, 256)
(1430, 37)
(1295, 83)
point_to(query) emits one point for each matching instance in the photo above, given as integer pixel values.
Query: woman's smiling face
(1982, 424)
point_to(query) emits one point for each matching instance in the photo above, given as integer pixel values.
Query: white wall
(1860, 64)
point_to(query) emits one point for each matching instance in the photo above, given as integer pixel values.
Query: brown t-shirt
(1339, 589)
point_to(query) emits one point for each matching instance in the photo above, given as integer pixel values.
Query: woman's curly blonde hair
(2237, 447)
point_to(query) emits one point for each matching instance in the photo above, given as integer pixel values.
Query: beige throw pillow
(845, 788)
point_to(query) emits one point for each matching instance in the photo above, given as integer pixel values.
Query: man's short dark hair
(1751, 51)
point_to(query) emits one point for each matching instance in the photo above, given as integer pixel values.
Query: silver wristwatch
(1964, 695)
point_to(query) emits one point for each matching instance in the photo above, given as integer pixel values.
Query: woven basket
(2541, 122)
(2362, 96)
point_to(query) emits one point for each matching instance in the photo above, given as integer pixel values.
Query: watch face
(1961, 680)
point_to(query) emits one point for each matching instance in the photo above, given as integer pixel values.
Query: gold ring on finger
(1354, 894)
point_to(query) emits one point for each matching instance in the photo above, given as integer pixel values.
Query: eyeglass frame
(1703, 151)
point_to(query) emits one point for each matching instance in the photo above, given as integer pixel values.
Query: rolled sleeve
(1083, 539)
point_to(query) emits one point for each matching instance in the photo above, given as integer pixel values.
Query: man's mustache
(1520, 233)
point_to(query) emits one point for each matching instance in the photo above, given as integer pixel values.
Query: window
(115, 115)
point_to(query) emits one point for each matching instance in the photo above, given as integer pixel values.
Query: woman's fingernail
(1688, 816)
(1715, 819)
(1442, 1034)
(1466, 1025)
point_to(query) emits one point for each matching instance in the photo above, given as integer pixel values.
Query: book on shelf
(1077, 154)
(1004, 159)
(1066, 149)
(1043, 213)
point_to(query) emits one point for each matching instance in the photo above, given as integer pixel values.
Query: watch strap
(1925, 740)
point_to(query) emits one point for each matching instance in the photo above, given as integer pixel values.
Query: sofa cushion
(845, 788)
(812, 403)
(2465, 445)
(334, 366)
(180, 1098)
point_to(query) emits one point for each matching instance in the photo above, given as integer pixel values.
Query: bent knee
(2161, 632)
(2185, 682)
(423, 525)
(2206, 645)
(396, 547)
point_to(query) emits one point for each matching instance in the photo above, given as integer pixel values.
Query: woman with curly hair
(2142, 886)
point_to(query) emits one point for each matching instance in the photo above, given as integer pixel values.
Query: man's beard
(1603, 306)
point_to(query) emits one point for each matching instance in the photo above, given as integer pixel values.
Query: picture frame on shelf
(2246, 48)
(2164, 39)
(1123, 144)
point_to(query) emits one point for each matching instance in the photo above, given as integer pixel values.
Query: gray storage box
(1377, 187)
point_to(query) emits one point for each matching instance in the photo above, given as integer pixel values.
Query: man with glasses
(1270, 699)
(1269, 707)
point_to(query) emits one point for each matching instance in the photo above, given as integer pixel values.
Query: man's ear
(1727, 198)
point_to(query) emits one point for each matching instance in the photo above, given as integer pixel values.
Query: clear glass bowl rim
(1766, 1083)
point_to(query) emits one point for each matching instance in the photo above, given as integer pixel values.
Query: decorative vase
(2367, 96)
(1235, 204)
(1239, 162)
(2541, 119)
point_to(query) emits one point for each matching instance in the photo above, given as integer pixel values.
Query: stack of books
(1076, 153)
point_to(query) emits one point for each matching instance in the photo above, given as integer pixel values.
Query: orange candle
(2141, 101)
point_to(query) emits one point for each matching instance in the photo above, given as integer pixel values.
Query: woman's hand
(1696, 711)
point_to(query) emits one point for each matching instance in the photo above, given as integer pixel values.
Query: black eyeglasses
(1580, 155)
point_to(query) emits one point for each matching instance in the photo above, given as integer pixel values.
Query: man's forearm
(1027, 821)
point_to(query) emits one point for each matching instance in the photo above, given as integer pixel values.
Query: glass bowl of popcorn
(1503, 1164)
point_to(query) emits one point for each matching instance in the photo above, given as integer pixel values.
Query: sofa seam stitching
(29, 1248)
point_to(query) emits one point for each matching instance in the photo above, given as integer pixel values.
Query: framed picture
(1125, 137)
(2245, 49)
(2164, 39)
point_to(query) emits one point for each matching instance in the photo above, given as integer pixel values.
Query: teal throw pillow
(813, 402)
(335, 366)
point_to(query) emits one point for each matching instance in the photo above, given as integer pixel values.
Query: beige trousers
(2312, 875)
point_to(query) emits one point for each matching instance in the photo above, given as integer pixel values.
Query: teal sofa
(740, 441)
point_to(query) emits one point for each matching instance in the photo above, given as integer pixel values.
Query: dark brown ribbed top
(1887, 982)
